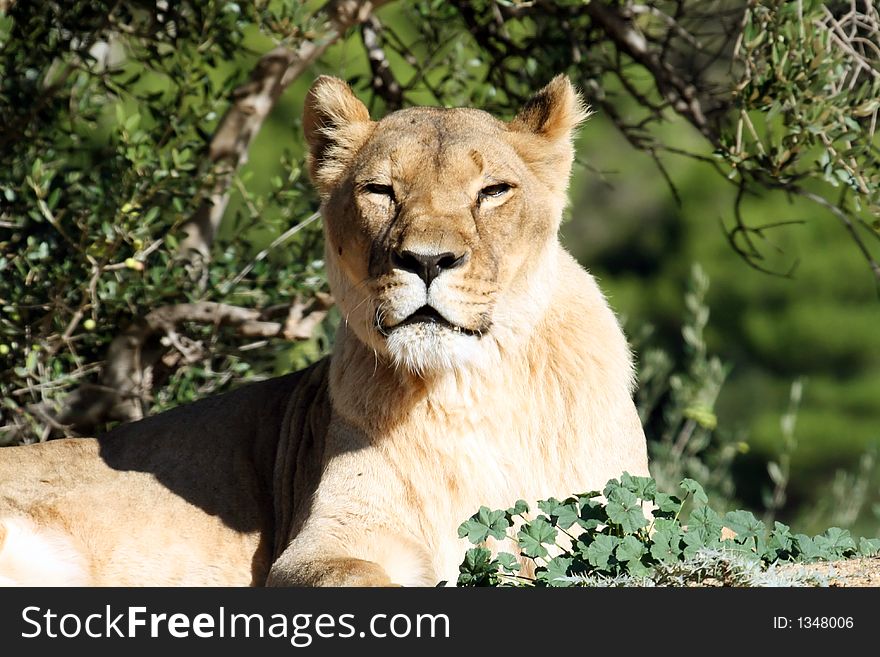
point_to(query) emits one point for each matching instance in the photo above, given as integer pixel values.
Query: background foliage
(736, 135)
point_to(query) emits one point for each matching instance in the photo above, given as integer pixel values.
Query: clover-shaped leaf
(556, 568)
(533, 536)
(600, 551)
(694, 488)
(484, 523)
(624, 509)
(644, 488)
(562, 514)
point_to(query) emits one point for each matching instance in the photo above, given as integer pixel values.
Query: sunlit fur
(359, 470)
(535, 401)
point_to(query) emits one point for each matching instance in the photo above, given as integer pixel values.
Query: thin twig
(283, 237)
(847, 224)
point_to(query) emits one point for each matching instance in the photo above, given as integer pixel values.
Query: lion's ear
(336, 125)
(554, 112)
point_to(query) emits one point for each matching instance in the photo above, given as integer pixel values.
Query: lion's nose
(427, 266)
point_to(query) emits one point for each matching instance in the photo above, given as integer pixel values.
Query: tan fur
(358, 470)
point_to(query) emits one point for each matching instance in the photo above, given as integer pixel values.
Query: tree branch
(627, 37)
(252, 102)
(134, 354)
(383, 82)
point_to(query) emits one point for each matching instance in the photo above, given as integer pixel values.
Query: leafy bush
(677, 404)
(601, 537)
(107, 110)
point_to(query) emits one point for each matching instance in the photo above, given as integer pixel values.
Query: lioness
(477, 363)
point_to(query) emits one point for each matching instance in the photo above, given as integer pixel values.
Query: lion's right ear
(336, 125)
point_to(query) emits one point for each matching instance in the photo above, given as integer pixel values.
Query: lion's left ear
(543, 130)
(554, 112)
(336, 125)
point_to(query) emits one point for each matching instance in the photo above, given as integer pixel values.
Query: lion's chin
(426, 349)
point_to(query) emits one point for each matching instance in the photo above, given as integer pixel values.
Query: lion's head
(440, 224)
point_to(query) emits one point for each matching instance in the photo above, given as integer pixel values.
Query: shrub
(586, 540)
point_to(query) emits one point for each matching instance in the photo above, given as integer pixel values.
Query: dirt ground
(850, 573)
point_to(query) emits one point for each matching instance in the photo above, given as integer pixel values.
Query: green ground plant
(605, 537)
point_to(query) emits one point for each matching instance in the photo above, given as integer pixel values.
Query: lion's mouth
(429, 315)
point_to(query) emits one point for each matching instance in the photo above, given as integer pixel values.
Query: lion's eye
(493, 191)
(381, 190)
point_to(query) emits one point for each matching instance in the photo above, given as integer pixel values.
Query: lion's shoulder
(251, 419)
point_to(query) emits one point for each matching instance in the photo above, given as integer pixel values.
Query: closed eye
(493, 192)
(378, 188)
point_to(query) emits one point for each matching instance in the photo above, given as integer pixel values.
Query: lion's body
(517, 384)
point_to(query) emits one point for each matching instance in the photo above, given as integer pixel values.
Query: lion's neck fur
(531, 422)
(505, 408)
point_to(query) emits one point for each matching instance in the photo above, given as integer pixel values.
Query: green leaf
(593, 514)
(702, 415)
(667, 503)
(836, 542)
(518, 509)
(478, 568)
(624, 509)
(694, 488)
(869, 547)
(630, 549)
(703, 531)
(637, 569)
(705, 524)
(644, 488)
(599, 552)
(666, 546)
(750, 533)
(744, 523)
(694, 542)
(533, 536)
(585, 498)
(563, 514)
(508, 562)
(30, 361)
(557, 567)
(807, 550)
(132, 121)
(663, 524)
(484, 523)
(780, 541)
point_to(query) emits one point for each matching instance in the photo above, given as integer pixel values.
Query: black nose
(427, 267)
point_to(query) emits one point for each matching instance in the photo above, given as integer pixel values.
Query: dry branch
(681, 95)
(252, 103)
(133, 355)
(384, 83)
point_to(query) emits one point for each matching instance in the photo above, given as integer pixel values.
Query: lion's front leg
(328, 553)
(339, 571)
